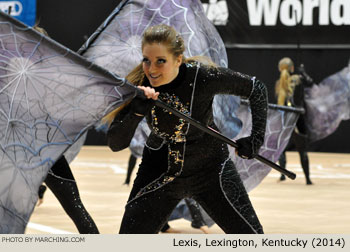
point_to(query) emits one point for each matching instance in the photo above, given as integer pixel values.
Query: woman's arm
(220, 80)
(249, 146)
(123, 127)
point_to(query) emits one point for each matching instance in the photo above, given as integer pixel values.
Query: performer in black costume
(61, 182)
(290, 92)
(180, 161)
(131, 166)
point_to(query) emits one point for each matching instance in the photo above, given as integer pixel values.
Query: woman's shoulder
(201, 66)
(192, 64)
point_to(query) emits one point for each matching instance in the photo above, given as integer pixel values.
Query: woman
(290, 92)
(180, 161)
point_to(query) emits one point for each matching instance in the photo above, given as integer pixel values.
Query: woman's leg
(61, 182)
(165, 227)
(283, 161)
(149, 213)
(304, 160)
(41, 192)
(197, 218)
(131, 166)
(227, 202)
(198, 221)
(301, 144)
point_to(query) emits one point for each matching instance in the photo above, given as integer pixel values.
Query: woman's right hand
(142, 105)
(149, 92)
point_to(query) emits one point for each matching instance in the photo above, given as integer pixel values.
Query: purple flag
(327, 104)
(281, 122)
(49, 96)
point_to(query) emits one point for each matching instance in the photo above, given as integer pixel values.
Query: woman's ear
(179, 60)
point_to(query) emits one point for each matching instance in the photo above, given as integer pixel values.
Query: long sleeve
(219, 80)
(258, 105)
(306, 80)
(122, 129)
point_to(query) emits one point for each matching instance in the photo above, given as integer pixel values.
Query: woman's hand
(142, 104)
(149, 92)
(246, 148)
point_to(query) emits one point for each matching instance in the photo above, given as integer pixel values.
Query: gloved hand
(301, 68)
(308, 80)
(141, 106)
(247, 148)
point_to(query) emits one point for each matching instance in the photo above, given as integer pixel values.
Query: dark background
(242, 32)
(72, 22)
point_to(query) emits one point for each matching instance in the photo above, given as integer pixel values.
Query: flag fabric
(49, 96)
(119, 37)
(327, 104)
(280, 124)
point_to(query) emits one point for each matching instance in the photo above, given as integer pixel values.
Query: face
(159, 65)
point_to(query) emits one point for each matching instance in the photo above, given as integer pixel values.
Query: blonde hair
(41, 30)
(285, 85)
(165, 35)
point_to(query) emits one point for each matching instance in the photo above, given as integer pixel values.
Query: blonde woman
(180, 161)
(289, 90)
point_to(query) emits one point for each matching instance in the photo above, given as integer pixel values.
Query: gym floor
(288, 207)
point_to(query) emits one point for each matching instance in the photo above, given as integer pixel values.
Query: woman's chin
(155, 83)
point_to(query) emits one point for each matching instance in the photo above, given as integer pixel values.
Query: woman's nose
(151, 67)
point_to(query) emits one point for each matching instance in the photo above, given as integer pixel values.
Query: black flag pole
(218, 135)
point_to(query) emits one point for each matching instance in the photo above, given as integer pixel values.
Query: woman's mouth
(154, 76)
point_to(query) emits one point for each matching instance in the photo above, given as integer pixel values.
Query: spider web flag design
(281, 122)
(327, 104)
(119, 37)
(49, 96)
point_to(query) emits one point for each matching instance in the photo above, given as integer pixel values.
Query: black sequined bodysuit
(181, 161)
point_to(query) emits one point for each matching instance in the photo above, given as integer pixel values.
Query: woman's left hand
(245, 148)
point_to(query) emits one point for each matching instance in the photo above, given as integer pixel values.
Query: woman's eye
(145, 60)
(161, 61)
